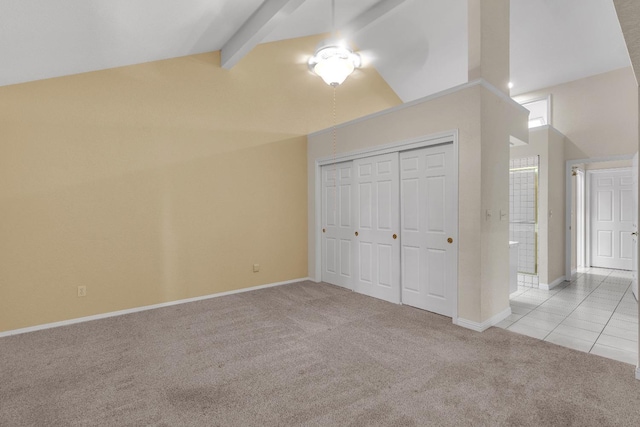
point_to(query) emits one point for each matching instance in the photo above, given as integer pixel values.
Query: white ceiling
(419, 47)
(557, 41)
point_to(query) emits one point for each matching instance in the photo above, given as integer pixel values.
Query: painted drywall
(608, 165)
(161, 181)
(483, 121)
(598, 114)
(548, 143)
(488, 41)
(497, 121)
(556, 205)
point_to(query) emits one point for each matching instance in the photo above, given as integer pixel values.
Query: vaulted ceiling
(418, 46)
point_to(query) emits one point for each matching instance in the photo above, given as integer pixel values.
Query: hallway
(595, 313)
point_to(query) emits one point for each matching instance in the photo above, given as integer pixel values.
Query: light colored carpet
(303, 354)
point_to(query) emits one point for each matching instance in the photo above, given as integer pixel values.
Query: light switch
(256, 268)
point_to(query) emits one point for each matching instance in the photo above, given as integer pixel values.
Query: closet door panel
(377, 252)
(337, 224)
(427, 210)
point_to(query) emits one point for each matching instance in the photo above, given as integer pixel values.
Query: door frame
(587, 208)
(449, 137)
(568, 197)
(581, 233)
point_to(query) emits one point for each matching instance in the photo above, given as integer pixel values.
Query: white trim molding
(549, 286)
(143, 308)
(638, 372)
(580, 218)
(481, 327)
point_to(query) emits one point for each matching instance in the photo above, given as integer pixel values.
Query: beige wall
(488, 42)
(608, 165)
(598, 114)
(160, 181)
(547, 143)
(556, 213)
(483, 122)
(498, 120)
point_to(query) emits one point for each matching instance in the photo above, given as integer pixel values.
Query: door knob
(395, 236)
(324, 231)
(356, 234)
(635, 233)
(450, 240)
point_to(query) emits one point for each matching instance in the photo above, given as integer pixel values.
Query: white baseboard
(143, 308)
(548, 287)
(481, 327)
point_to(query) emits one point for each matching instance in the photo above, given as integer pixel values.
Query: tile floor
(596, 313)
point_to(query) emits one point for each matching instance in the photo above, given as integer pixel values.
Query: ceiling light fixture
(334, 61)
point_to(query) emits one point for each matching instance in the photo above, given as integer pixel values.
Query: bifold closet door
(337, 224)
(428, 249)
(376, 227)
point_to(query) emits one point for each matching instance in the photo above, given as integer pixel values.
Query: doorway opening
(523, 217)
(599, 195)
(602, 224)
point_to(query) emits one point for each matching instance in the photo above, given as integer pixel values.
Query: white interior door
(612, 219)
(376, 208)
(427, 246)
(634, 239)
(337, 224)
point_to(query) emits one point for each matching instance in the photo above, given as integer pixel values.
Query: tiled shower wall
(523, 177)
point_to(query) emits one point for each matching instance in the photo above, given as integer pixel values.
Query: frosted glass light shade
(334, 63)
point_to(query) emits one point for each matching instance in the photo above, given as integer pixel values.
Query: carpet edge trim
(142, 308)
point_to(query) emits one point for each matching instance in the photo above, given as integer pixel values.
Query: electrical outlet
(82, 291)
(256, 268)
